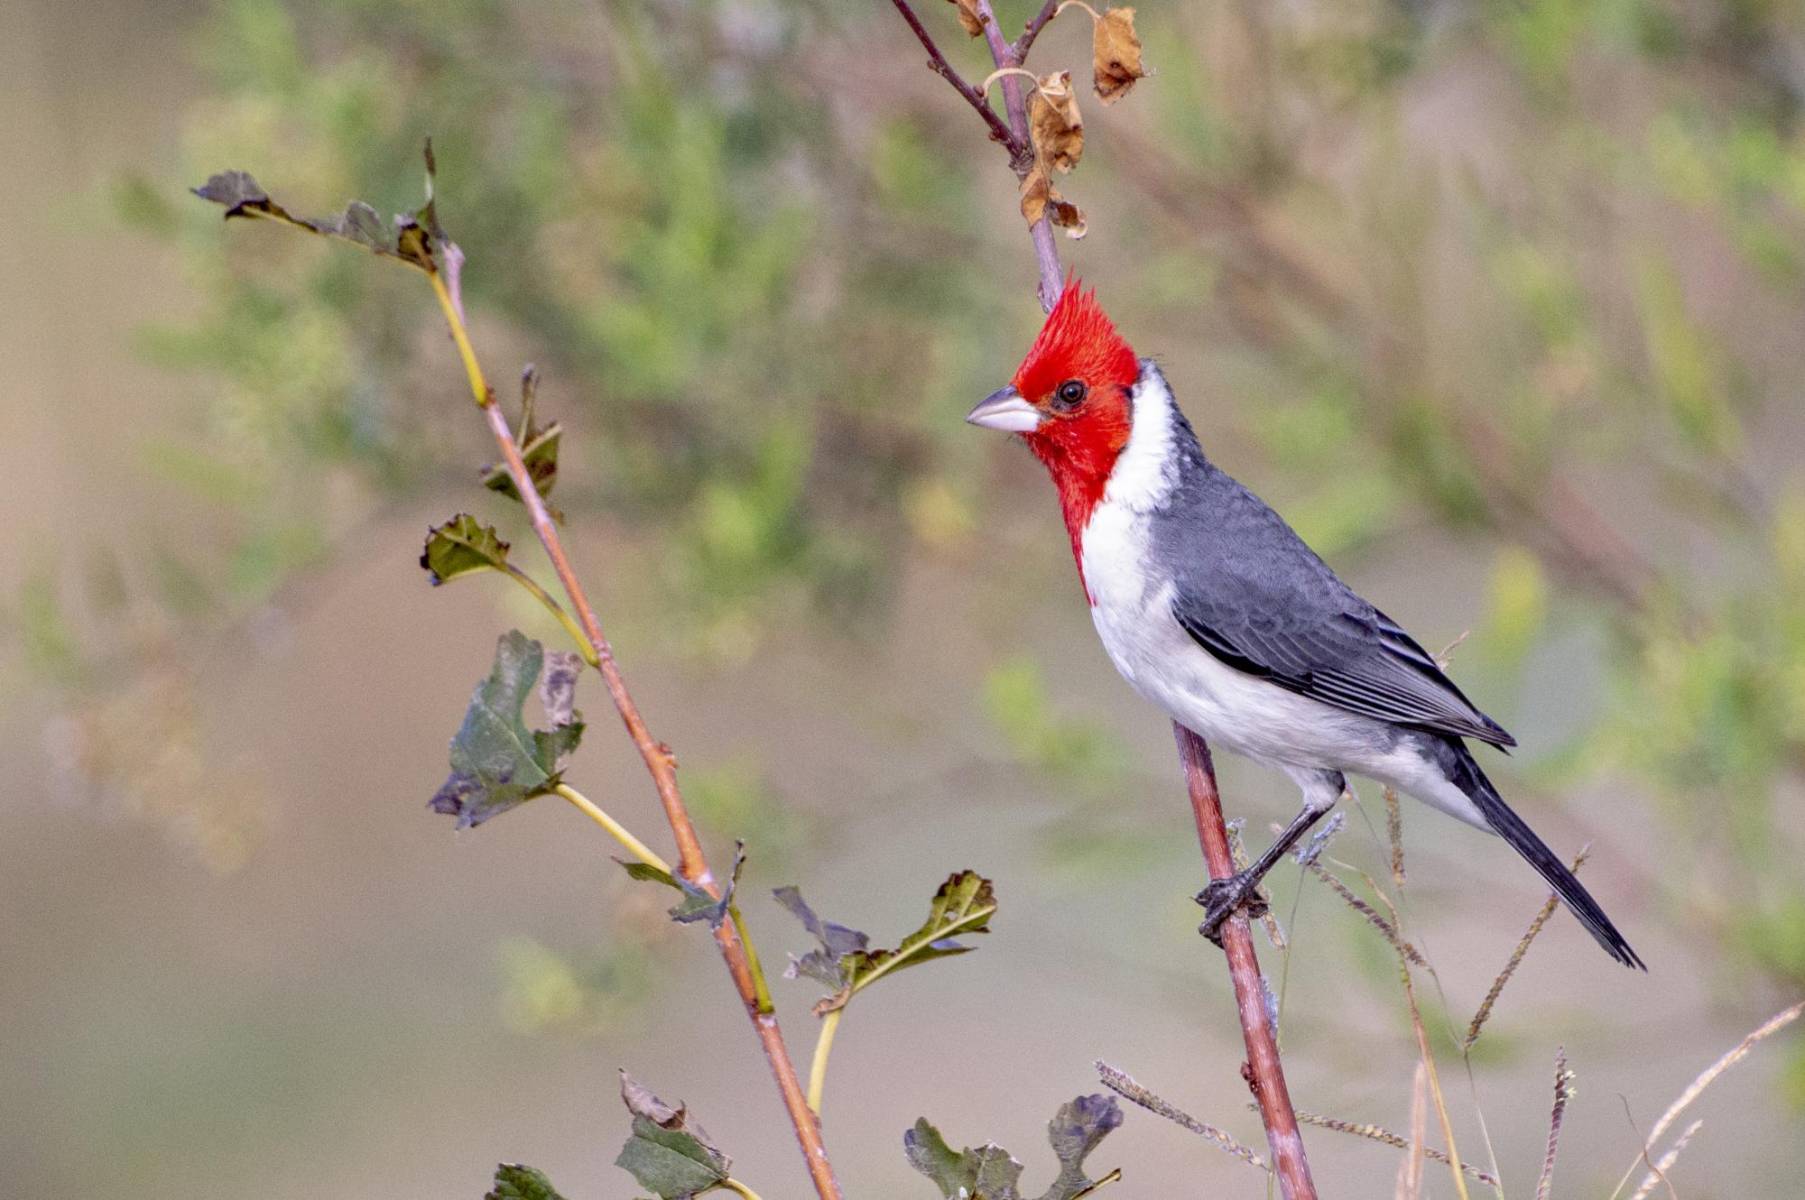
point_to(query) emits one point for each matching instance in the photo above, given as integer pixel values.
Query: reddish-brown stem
(937, 63)
(660, 762)
(1046, 251)
(1037, 23)
(1264, 1071)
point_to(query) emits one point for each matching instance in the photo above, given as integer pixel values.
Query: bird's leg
(1222, 897)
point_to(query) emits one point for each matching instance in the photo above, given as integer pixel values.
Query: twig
(1410, 1171)
(937, 63)
(1036, 23)
(659, 760)
(1125, 1086)
(1265, 1071)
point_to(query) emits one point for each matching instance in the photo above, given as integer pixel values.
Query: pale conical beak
(1005, 409)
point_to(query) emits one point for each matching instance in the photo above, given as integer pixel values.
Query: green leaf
(697, 904)
(496, 761)
(515, 1181)
(461, 546)
(413, 238)
(668, 1153)
(539, 451)
(964, 904)
(990, 1173)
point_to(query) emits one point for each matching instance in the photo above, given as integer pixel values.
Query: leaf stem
(817, 1071)
(555, 609)
(739, 1189)
(621, 833)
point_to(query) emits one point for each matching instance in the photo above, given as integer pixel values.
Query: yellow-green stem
(761, 990)
(740, 1189)
(479, 387)
(635, 847)
(817, 1071)
(555, 609)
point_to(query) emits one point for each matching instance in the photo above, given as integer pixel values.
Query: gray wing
(1256, 597)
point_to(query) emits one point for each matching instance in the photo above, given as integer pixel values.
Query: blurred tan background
(1499, 302)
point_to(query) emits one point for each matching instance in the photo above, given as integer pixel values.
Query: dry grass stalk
(1709, 1075)
(1657, 1172)
(1372, 915)
(1563, 1091)
(1410, 1171)
(1275, 933)
(1516, 957)
(1124, 1085)
(1422, 1044)
(1394, 829)
(1387, 1137)
(1705, 1079)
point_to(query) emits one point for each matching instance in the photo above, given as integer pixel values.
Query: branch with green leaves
(498, 763)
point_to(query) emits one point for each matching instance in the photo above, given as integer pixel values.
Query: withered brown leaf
(1041, 199)
(1054, 123)
(969, 17)
(1115, 54)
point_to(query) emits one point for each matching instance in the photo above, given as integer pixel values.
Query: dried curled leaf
(668, 1153)
(498, 763)
(969, 16)
(462, 546)
(1055, 126)
(990, 1173)
(964, 904)
(1115, 54)
(1041, 199)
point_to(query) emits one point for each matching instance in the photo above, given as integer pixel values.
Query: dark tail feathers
(1466, 775)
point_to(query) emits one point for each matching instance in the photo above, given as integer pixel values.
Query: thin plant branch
(1036, 23)
(735, 949)
(937, 63)
(1265, 1070)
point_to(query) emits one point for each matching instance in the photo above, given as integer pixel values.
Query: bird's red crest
(1078, 341)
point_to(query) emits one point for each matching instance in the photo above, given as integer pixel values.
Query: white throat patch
(1144, 473)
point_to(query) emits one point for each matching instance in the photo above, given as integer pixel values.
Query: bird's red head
(1070, 402)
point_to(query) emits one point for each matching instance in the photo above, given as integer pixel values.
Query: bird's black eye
(1069, 396)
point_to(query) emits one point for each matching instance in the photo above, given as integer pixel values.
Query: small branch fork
(1264, 1070)
(660, 762)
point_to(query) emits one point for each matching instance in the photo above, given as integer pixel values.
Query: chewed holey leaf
(412, 237)
(964, 904)
(990, 1173)
(697, 904)
(496, 761)
(462, 546)
(514, 1181)
(837, 941)
(668, 1153)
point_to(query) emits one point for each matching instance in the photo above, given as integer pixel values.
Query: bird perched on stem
(1213, 608)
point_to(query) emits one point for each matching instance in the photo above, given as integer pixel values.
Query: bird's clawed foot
(1223, 897)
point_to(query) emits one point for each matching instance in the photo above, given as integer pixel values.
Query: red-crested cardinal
(1215, 610)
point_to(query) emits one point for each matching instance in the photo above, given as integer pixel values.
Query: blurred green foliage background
(1497, 300)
